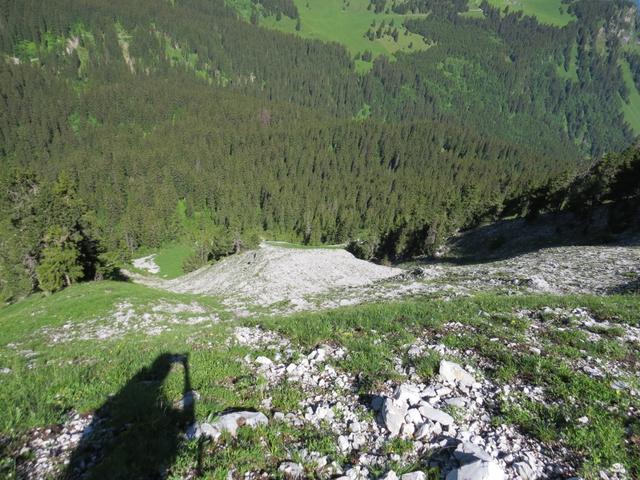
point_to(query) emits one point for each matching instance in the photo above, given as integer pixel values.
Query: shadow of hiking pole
(136, 433)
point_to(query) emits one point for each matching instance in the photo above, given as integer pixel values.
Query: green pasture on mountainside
(553, 12)
(347, 23)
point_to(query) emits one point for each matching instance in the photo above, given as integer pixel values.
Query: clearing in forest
(552, 12)
(348, 23)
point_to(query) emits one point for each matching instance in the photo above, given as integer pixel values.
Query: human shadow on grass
(136, 433)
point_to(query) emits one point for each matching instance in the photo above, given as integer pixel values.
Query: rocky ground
(475, 395)
(284, 280)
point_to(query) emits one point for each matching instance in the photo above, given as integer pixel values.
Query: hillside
(532, 370)
(325, 239)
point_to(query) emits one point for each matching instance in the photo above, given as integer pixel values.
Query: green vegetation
(553, 12)
(631, 106)
(170, 260)
(347, 22)
(42, 387)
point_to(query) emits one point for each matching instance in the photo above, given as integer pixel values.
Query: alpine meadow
(325, 239)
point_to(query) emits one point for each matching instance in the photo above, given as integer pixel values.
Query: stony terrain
(464, 381)
(285, 280)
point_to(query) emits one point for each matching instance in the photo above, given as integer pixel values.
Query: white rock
(343, 443)
(393, 413)
(408, 430)
(413, 416)
(291, 470)
(478, 470)
(413, 476)
(467, 452)
(456, 402)
(423, 431)
(263, 361)
(359, 441)
(291, 368)
(407, 393)
(390, 475)
(453, 373)
(524, 471)
(230, 422)
(436, 415)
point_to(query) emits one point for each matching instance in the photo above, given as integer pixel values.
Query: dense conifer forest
(127, 125)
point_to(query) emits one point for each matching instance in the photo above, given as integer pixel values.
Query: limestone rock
(467, 452)
(436, 415)
(390, 475)
(413, 476)
(453, 373)
(478, 470)
(291, 470)
(229, 422)
(524, 471)
(393, 413)
(408, 394)
(264, 361)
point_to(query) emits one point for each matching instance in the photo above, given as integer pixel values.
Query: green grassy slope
(631, 109)
(347, 23)
(552, 12)
(49, 378)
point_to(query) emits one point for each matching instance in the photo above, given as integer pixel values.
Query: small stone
(408, 429)
(187, 400)
(359, 441)
(414, 476)
(467, 452)
(524, 471)
(343, 443)
(413, 416)
(390, 475)
(291, 470)
(408, 393)
(436, 415)
(423, 431)
(393, 413)
(453, 373)
(230, 422)
(478, 470)
(264, 361)
(456, 402)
